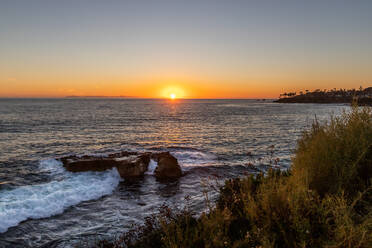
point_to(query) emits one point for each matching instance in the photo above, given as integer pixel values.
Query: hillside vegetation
(363, 96)
(324, 200)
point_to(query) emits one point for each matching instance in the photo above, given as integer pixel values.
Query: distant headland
(362, 96)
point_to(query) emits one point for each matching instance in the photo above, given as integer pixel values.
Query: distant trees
(340, 93)
(289, 94)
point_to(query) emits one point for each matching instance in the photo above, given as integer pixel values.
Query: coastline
(361, 97)
(326, 100)
(324, 200)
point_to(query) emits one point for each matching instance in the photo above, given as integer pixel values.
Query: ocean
(43, 205)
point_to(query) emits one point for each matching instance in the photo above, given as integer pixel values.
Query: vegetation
(325, 200)
(364, 96)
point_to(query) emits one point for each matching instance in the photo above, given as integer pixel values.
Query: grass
(324, 200)
(337, 157)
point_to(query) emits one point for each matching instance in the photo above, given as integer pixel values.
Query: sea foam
(45, 200)
(152, 166)
(192, 158)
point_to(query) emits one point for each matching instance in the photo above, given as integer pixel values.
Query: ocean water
(42, 205)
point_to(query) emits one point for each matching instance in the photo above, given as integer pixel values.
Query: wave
(193, 158)
(45, 200)
(52, 165)
(152, 166)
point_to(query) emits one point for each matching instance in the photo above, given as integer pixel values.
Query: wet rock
(168, 167)
(122, 154)
(132, 166)
(128, 164)
(88, 163)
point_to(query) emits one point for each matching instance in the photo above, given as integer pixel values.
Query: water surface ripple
(42, 205)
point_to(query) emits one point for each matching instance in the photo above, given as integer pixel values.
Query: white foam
(51, 165)
(152, 166)
(45, 200)
(190, 158)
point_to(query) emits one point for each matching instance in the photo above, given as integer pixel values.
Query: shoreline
(325, 100)
(298, 207)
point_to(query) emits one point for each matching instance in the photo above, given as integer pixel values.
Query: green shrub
(277, 214)
(337, 157)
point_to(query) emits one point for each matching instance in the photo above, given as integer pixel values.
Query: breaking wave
(152, 166)
(45, 200)
(193, 158)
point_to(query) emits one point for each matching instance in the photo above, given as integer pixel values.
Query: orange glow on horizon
(172, 92)
(156, 87)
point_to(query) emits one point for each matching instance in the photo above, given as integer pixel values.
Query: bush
(337, 157)
(279, 215)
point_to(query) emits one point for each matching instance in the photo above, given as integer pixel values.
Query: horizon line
(132, 97)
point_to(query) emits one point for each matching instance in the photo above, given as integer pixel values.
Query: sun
(172, 93)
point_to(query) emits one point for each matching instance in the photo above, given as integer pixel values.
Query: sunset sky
(193, 49)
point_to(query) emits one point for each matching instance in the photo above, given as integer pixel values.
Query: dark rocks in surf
(128, 164)
(132, 166)
(168, 167)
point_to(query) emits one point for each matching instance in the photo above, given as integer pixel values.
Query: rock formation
(128, 164)
(168, 167)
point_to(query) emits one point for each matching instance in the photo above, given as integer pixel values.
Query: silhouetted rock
(168, 167)
(88, 164)
(128, 164)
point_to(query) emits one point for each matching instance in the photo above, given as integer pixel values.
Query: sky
(193, 49)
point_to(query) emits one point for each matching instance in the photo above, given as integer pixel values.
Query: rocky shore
(129, 164)
(304, 99)
(361, 97)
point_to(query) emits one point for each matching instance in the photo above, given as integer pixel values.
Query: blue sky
(53, 47)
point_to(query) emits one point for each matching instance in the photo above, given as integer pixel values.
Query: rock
(122, 154)
(132, 167)
(88, 164)
(168, 167)
(128, 164)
